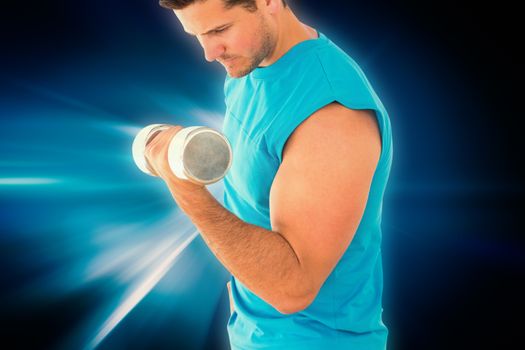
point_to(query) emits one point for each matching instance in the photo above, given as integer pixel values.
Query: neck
(290, 32)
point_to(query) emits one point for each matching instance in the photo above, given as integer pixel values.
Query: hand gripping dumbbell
(196, 153)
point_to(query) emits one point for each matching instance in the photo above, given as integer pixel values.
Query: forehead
(202, 16)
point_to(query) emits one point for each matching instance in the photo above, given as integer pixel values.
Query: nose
(212, 48)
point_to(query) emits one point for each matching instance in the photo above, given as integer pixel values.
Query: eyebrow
(214, 29)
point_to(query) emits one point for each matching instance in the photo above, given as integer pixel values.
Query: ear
(272, 6)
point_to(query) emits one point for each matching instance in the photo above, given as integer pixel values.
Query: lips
(229, 60)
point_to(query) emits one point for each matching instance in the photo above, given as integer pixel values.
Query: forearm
(262, 260)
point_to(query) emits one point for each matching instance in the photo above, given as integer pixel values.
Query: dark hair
(249, 5)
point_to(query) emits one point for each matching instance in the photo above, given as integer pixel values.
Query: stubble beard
(266, 48)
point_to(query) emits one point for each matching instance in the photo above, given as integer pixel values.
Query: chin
(235, 73)
(239, 67)
(239, 72)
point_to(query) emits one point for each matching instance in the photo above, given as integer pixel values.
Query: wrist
(189, 196)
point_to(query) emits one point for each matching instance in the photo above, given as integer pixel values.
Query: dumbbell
(196, 153)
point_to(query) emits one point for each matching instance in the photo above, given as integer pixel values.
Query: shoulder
(336, 128)
(341, 70)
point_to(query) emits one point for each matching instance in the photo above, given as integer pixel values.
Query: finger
(157, 149)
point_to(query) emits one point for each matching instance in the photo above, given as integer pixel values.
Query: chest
(253, 168)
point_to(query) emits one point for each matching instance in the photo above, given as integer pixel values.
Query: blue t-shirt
(262, 110)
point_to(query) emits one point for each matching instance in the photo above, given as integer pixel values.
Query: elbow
(296, 296)
(294, 305)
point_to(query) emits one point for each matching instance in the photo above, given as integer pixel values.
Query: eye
(217, 31)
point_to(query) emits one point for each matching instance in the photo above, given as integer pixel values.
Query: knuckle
(149, 152)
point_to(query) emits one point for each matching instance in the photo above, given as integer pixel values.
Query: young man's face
(240, 40)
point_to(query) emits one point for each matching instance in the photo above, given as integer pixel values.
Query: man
(312, 152)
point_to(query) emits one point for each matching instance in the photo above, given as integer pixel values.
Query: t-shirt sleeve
(284, 124)
(338, 81)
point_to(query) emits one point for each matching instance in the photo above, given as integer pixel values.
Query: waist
(245, 338)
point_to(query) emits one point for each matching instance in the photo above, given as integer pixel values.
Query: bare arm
(316, 203)
(261, 259)
(319, 194)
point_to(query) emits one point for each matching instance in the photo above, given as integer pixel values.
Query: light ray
(139, 293)
(14, 181)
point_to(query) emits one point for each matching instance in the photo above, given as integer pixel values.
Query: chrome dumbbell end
(200, 154)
